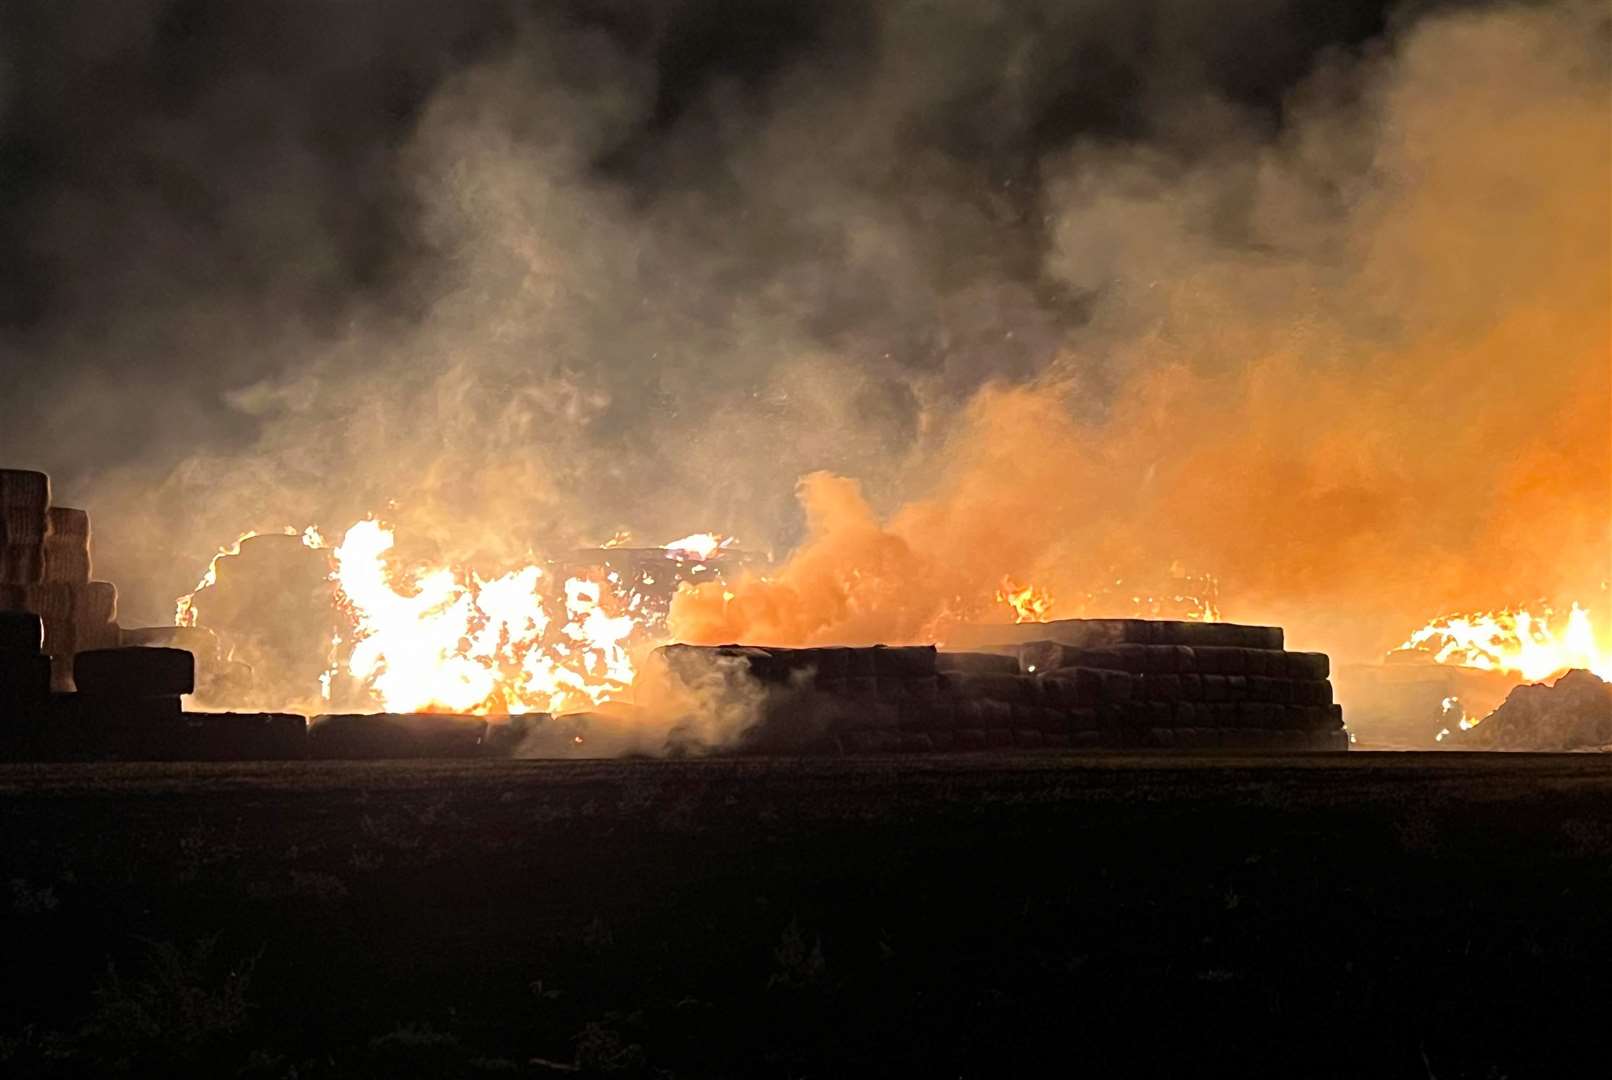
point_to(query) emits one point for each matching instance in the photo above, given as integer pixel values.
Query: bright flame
(1029, 603)
(436, 638)
(698, 545)
(1514, 641)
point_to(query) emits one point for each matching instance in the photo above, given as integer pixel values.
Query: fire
(1516, 641)
(1029, 604)
(698, 545)
(439, 638)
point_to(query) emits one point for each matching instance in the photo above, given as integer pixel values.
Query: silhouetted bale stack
(507, 735)
(1108, 690)
(238, 737)
(977, 663)
(1088, 633)
(24, 681)
(76, 617)
(395, 735)
(135, 672)
(127, 703)
(24, 522)
(67, 547)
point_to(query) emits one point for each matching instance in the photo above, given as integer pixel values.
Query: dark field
(1356, 915)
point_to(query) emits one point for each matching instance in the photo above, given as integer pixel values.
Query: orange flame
(1029, 603)
(1515, 641)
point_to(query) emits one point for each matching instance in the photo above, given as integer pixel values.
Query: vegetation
(1339, 915)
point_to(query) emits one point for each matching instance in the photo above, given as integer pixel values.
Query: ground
(975, 915)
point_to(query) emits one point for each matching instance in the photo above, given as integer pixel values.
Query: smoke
(1359, 371)
(1072, 290)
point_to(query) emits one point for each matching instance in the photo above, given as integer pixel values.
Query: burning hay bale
(1573, 713)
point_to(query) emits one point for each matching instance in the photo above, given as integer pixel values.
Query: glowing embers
(1517, 642)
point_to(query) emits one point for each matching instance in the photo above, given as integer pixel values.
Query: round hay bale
(135, 672)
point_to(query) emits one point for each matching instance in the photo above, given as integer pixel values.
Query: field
(972, 915)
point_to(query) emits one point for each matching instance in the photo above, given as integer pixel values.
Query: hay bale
(903, 661)
(22, 563)
(1162, 687)
(24, 506)
(24, 686)
(1307, 665)
(965, 686)
(1080, 719)
(924, 689)
(862, 688)
(240, 737)
(66, 563)
(828, 663)
(977, 663)
(395, 735)
(68, 523)
(21, 630)
(135, 672)
(995, 714)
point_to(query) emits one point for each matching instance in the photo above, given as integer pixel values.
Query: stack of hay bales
(1121, 684)
(45, 568)
(128, 703)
